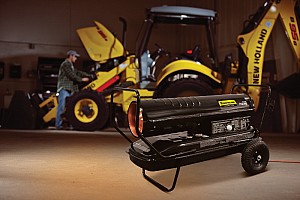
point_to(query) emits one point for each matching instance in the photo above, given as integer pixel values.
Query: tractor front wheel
(87, 111)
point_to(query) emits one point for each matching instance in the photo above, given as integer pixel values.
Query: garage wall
(33, 28)
(230, 22)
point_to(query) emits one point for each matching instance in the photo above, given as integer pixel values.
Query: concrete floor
(50, 164)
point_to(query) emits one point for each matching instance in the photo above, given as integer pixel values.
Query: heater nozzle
(132, 119)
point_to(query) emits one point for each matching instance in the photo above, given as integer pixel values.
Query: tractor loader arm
(253, 40)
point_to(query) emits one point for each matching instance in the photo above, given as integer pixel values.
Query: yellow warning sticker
(227, 102)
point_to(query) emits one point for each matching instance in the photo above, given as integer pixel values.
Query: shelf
(48, 69)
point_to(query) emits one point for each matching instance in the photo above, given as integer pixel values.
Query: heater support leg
(160, 186)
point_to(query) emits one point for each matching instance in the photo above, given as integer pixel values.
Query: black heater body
(175, 132)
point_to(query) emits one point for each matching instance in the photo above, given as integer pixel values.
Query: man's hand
(85, 79)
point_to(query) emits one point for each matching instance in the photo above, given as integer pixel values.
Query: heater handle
(112, 114)
(112, 117)
(252, 85)
(268, 87)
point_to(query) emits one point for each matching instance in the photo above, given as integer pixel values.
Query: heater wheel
(87, 111)
(187, 87)
(255, 157)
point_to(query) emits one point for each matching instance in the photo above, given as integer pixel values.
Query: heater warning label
(227, 103)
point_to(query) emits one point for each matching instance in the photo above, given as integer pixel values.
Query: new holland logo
(227, 103)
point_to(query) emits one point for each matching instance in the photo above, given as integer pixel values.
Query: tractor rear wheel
(87, 111)
(187, 87)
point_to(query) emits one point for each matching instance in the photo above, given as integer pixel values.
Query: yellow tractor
(187, 75)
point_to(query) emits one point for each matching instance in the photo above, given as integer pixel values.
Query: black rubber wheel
(187, 87)
(40, 112)
(87, 111)
(255, 157)
(40, 124)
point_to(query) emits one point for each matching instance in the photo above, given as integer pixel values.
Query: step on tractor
(185, 75)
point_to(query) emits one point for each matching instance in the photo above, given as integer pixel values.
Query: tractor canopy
(181, 14)
(177, 15)
(100, 43)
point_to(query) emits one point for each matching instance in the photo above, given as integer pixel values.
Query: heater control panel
(231, 125)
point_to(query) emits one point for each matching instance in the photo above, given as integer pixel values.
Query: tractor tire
(187, 87)
(255, 157)
(87, 111)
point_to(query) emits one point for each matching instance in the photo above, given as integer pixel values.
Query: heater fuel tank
(198, 114)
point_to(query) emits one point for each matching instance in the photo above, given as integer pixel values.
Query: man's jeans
(63, 94)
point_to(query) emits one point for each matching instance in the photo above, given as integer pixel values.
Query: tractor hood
(100, 43)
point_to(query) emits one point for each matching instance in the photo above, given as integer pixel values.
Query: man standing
(68, 79)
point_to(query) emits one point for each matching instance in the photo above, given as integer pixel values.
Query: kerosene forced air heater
(174, 132)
